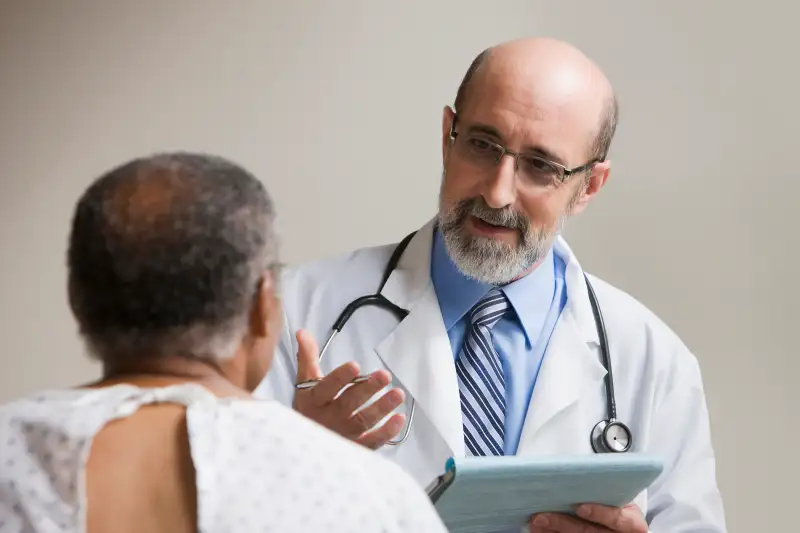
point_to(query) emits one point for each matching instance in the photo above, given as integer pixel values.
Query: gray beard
(488, 260)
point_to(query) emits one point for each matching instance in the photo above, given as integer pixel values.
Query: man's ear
(263, 306)
(448, 115)
(597, 179)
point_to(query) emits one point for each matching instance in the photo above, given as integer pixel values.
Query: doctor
(499, 352)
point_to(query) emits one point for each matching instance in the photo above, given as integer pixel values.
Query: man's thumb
(307, 357)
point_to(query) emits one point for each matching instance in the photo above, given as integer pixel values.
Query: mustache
(505, 217)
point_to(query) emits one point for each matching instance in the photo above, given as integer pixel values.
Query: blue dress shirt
(520, 337)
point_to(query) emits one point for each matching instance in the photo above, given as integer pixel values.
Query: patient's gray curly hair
(165, 255)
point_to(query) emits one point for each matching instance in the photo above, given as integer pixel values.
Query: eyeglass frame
(565, 172)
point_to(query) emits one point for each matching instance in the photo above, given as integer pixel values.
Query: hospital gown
(259, 466)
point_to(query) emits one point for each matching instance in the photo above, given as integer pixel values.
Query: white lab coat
(659, 391)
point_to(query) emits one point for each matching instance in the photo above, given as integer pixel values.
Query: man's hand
(341, 413)
(593, 519)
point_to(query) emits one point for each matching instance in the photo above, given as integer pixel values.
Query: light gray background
(337, 106)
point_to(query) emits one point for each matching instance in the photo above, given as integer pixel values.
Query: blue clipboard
(490, 494)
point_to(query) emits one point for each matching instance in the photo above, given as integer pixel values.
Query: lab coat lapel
(571, 368)
(418, 351)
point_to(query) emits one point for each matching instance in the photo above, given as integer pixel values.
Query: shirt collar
(530, 296)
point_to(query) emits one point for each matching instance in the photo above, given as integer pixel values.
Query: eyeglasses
(536, 170)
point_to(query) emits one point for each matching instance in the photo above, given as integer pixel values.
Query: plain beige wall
(336, 105)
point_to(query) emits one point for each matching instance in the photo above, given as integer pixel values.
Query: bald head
(546, 73)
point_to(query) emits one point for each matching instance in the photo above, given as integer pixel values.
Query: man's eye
(481, 145)
(540, 165)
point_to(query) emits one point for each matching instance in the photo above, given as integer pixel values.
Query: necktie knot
(490, 309)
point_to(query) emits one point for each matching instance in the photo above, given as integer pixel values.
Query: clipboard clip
(439, 485)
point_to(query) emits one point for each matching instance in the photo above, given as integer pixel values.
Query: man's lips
(490, 230)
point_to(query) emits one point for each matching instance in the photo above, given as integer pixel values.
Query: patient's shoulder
(269, 432)
(263, 451)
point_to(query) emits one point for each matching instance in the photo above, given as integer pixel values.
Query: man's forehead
(561, 127)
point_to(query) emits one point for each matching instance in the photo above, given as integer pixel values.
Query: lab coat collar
(411, 279)
(578, 302)
(417, 352)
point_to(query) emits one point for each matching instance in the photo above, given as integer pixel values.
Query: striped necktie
(481, 381)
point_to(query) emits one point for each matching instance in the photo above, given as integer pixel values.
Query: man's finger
(564, 524)
(380, 436)
(307, 357)
(365, 419)
(357, 395)
(326, 390)
(628, 518)
(537, 529)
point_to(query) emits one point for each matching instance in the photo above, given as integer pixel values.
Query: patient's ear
(265, 307)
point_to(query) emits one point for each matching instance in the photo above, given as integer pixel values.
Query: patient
(173, 272)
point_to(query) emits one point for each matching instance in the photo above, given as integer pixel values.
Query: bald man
(482, 337)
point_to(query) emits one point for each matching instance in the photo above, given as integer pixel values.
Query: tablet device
(490, 494)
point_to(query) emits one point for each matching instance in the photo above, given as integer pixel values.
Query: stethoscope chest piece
(611, 437)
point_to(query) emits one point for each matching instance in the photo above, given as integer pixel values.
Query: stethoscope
(607, 436)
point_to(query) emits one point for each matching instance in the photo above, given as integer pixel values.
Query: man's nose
(500, 187)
